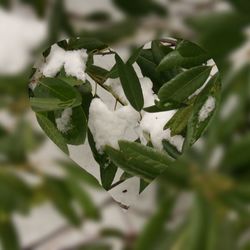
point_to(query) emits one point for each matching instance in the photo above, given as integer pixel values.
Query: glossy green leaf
(54, 94)
(130, 84)
(178, 123)
(52, 132)
(170, 149)
(184, 84)
(77, 131)
(139, 160)
(107, 168)
(187, 55)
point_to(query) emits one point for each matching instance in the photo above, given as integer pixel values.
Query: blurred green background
(48, 202)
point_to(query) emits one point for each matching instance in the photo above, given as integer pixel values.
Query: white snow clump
(63, 123)
(207, 108)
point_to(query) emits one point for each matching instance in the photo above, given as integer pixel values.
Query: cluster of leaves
(19, 196)
(177, 69)
(220, 33)
(218, 215)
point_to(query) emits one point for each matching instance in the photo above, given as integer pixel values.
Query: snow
(73, 62)
(146, 85)
(63, 123)
(108, 127)
(20, 35)
(153, 124)
(207, 108)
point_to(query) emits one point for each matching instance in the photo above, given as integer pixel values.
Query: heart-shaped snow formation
(124, 115)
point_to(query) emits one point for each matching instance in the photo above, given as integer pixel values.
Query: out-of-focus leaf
(186, 55)
(14, 193)
(9, 239)
(114, 32)
(85, 201)
(201, 231)
(183, 85)
(241, 5)
(139, 160)
(77, 131)
(52, 132)
(237, 156)
(107, 168)
(58, 22)
(38, 6)
(220, 33)
(178, 174)
(95, 246)
(98, 17)
(140, 8)
(61, 198)
(87, 43)
(130, 84)
(78, 173)
(150, 235)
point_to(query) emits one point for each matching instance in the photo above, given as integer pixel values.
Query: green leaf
(201, 230)
(113, 73)
(8, 235)
(143, 185)
(61, 198)
(237, 157)
(85, 201)
(170, 149)
(150, 236)
(54, 94)
(15, 194)
(107, 168)
(138, 160)
(52, 132)
(148, 69)
(87, 43)
(159, 51)
(77, 131)
(186, 55)
(184, 84)
(178, 123)
(196, 127)
(97, 73)
(78, 173)
(130, 84)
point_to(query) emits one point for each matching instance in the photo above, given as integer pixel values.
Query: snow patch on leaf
(63, 123)
(207, 108)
